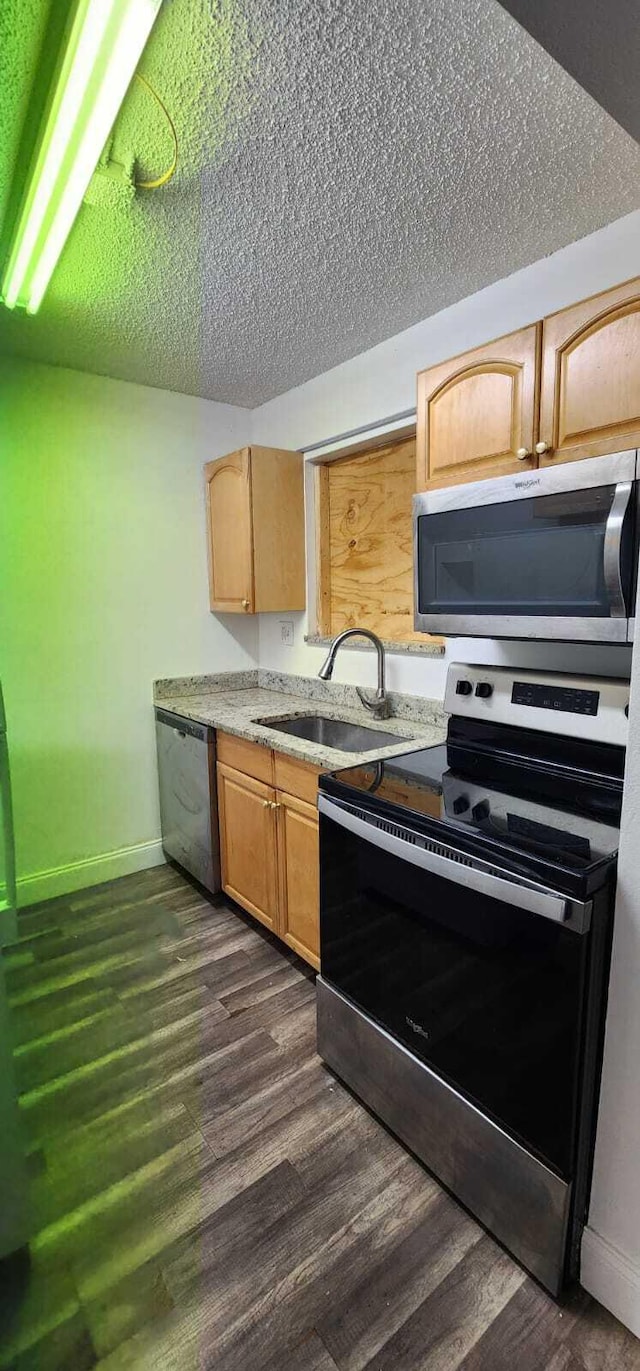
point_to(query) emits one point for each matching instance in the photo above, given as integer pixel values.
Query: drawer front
(244, 756)
(297, 777)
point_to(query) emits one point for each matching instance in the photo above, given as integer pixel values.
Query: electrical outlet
(286, 632)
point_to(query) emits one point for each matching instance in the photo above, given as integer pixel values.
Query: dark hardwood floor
(205, 1194)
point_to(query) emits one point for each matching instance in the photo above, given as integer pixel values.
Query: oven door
(480, 977)
(549, 554)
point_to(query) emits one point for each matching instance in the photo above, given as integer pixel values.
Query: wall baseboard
(63, 880)
(611, 1278)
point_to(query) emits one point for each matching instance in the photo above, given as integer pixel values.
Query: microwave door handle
(533, 899)
(612, 550)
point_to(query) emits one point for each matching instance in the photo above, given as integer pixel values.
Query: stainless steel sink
(334, 733)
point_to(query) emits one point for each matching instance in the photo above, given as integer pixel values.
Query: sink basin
(334, 733)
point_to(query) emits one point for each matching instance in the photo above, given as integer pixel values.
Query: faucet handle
(379, 706)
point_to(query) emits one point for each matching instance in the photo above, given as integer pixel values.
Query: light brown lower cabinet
(247, 815)
(299, 876)
(269, 840)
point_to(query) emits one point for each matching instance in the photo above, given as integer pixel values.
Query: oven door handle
(534, 899)
(611, 549)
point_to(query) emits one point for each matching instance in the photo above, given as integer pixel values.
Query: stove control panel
(560, 697)
(577, 706)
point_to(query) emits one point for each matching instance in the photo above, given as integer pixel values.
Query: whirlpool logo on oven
(525, 485)
(417, 1028)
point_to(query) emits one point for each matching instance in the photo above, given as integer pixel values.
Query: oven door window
(485, 994)
(540, 556)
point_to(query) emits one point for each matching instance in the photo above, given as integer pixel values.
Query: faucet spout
(379, 706)
(326, 670)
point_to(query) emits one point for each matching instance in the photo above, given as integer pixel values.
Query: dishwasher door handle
(462, 870)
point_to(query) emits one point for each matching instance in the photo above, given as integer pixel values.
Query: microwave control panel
(577, 706)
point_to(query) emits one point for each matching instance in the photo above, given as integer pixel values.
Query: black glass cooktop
(545, 808)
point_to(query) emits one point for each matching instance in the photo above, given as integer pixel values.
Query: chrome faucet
(379, 706)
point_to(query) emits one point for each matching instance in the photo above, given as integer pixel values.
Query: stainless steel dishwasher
(188, 799)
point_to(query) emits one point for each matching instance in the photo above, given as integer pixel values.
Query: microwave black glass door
(538, 556)
(487, 995)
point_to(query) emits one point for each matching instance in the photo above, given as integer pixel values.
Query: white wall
(611, 1245)
(103, 587)
(366, 390)
(381, 382)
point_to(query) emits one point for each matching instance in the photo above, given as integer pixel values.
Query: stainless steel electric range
(466, 917)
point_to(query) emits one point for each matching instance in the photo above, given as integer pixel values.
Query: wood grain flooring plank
(261, 989)
(253, 1269)
(359, 1325)
(132, 1223)
(445, 1327)
(91, 1040)
(308, 1291)
(218, 1183)
(528, 1331)
(600, 1343)
(127, 890)
(297, 1028)
(189, 999)
(249, 1118)
(176, 976)
(73, 932)
(103, 1154)
(563, 1360)
(236, 1229)
(79, 979)
(155, 1061)
(142, 1297)
(58, 1014)
(214, 1326)
(69, 967)
(243, 1082)
(180, 1121)
(193, 956)
(306, 1355)
(43, 918)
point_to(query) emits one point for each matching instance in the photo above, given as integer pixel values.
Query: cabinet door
(229, 533)
(299, 876)
(590, 399)
(477, 413)
(247, 814)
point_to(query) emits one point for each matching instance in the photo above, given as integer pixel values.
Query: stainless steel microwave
(544, 554)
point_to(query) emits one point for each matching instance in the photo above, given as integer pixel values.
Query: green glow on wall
(105, 41)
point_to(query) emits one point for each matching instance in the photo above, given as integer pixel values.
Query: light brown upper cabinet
(255, 531)
(590, 399)
(477, 413)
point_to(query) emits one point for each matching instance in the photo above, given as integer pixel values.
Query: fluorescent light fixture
(105, 41)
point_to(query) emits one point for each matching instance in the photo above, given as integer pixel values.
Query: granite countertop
(234, 702)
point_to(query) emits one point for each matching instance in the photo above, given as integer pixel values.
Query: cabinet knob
(522, 454)
(542, 447)
(245, 604)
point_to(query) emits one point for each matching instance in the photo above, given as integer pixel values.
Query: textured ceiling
(346, 169)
